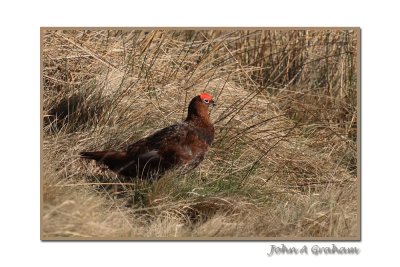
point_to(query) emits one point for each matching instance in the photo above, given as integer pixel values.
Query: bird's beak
(212, 103)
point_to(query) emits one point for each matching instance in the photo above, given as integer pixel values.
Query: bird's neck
(201, 120)
(202, 127)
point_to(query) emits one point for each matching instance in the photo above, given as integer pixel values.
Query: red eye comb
(205, 96)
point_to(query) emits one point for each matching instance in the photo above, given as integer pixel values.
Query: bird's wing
(174, 134)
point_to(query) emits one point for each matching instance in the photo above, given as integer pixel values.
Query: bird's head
(206, 99)
(198, 106)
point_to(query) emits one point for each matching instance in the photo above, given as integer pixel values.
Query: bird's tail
(115, 160)
(98, 155)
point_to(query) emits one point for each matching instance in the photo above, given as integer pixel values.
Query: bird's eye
(206, 101)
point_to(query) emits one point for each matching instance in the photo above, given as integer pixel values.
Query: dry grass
(284, 162)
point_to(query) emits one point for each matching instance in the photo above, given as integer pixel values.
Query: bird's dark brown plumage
(180, 145)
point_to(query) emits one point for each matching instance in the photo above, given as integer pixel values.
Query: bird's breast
(205, 135)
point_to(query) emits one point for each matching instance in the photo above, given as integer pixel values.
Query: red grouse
(180, 145)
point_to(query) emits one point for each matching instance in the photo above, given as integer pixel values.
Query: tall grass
(284, 162)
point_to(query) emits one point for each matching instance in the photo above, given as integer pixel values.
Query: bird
(181, 145)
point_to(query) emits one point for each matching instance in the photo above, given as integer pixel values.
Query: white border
(19, 109)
